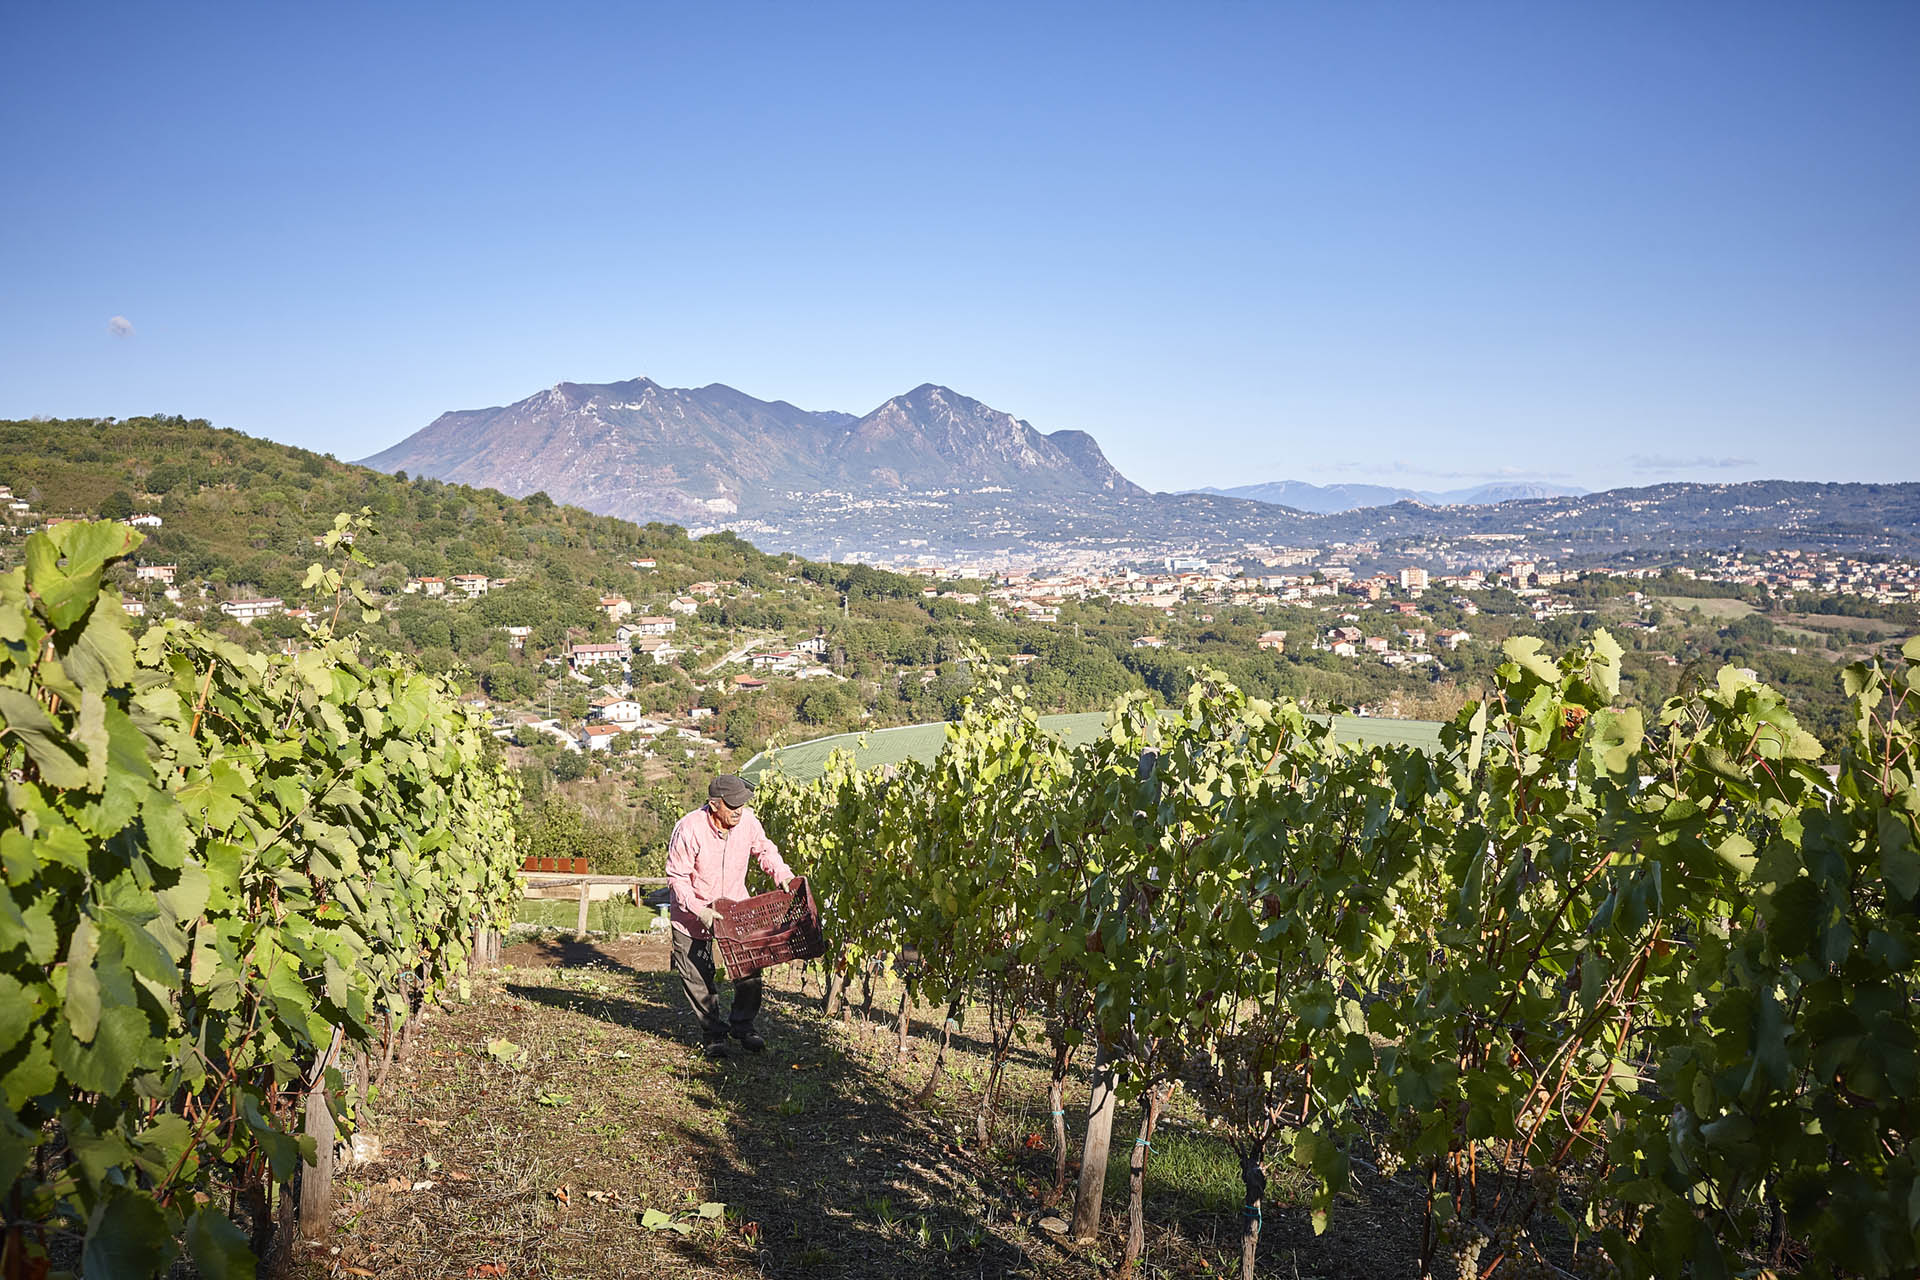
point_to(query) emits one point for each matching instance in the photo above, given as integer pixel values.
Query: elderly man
(707, 864)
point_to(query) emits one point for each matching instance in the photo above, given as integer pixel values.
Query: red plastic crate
(769, 929)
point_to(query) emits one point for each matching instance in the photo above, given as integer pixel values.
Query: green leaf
(1911, 652)
(218, 1247)
(83, 984)
(46, 744)
(123, 1035)
(712, 1209)
(127, 1239)
(1615, 738)
(16, 1147)
(146, 955)
(1525, 652)
(19, 1007)
(1899, 862)
(1608, 651)
(654, 1220)
(1737, 852)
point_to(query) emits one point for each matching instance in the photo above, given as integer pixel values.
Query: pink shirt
(705, 865)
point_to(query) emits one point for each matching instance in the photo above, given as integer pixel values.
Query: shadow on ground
(812, 1148)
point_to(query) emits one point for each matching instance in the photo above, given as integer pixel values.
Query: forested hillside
(238, 518)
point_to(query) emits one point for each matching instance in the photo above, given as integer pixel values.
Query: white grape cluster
(1464, 1244)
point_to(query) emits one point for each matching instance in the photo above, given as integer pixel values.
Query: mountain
(1507, 491)
(633, 449)
(932, 473)
(1317, 499)
(642, 451)
(1333, 498)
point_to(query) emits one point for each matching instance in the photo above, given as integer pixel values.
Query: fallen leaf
(560, 1194)
(460, 1175)
(425, 1184)
(356, 1271)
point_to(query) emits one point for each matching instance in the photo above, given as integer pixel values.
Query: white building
(474, 584)
(618, 710)
(245, 611)
(155, 573)
(589, 655)
(659, 648)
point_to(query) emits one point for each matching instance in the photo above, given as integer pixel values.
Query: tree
(117, 505)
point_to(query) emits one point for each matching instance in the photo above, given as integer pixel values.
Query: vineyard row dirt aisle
(536, 1126)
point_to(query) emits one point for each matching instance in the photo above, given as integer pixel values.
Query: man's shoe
(716, 1049)
(751, 1041)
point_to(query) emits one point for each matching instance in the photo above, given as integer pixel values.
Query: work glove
(708, 913)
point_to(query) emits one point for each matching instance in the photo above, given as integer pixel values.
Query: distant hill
(239, 515)
(1333, 498)
(643, 451)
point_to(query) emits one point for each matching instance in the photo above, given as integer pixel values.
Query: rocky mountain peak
(644, 451)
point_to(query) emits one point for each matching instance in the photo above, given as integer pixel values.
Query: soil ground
(536, 1125)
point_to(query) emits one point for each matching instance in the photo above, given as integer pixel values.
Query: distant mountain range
(1331, 498)
(646, 452)
(933, 472)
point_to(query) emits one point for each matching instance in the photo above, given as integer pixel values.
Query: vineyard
(232, 883)
(1630, 994)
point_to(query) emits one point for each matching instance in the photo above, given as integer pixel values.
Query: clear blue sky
(1417, 243)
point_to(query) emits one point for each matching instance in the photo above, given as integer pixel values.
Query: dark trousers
(693, 959)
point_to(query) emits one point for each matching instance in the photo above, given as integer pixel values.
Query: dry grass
(543, 1158)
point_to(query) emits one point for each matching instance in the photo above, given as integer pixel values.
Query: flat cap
(730, 790)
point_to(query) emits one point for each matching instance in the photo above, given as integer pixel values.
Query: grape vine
(221, 867)
(1649, 977)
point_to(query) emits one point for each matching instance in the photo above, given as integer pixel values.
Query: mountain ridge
(640, 450)
(1335, 498)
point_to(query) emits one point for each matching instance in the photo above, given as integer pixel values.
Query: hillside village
(648, 652)
(1401, 618)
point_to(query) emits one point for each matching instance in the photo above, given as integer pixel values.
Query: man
(707, 863)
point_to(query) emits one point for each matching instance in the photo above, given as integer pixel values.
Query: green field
(1714, 607)
(614, 916)
(805, 761)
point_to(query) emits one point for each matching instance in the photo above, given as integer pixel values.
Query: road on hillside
(738, 655)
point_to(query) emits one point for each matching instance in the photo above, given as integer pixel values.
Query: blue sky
(1407, 243)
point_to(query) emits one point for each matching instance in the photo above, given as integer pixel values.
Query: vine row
(1648, 976)
(224, 872)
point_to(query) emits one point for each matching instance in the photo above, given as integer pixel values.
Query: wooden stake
(316, 1179)
(1093, 1152)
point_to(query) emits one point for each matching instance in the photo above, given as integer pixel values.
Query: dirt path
(540, 1128)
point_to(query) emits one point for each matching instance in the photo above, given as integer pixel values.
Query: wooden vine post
(1093, 1152)
(316, 1179)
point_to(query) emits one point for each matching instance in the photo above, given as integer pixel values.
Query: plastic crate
(769, 929)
